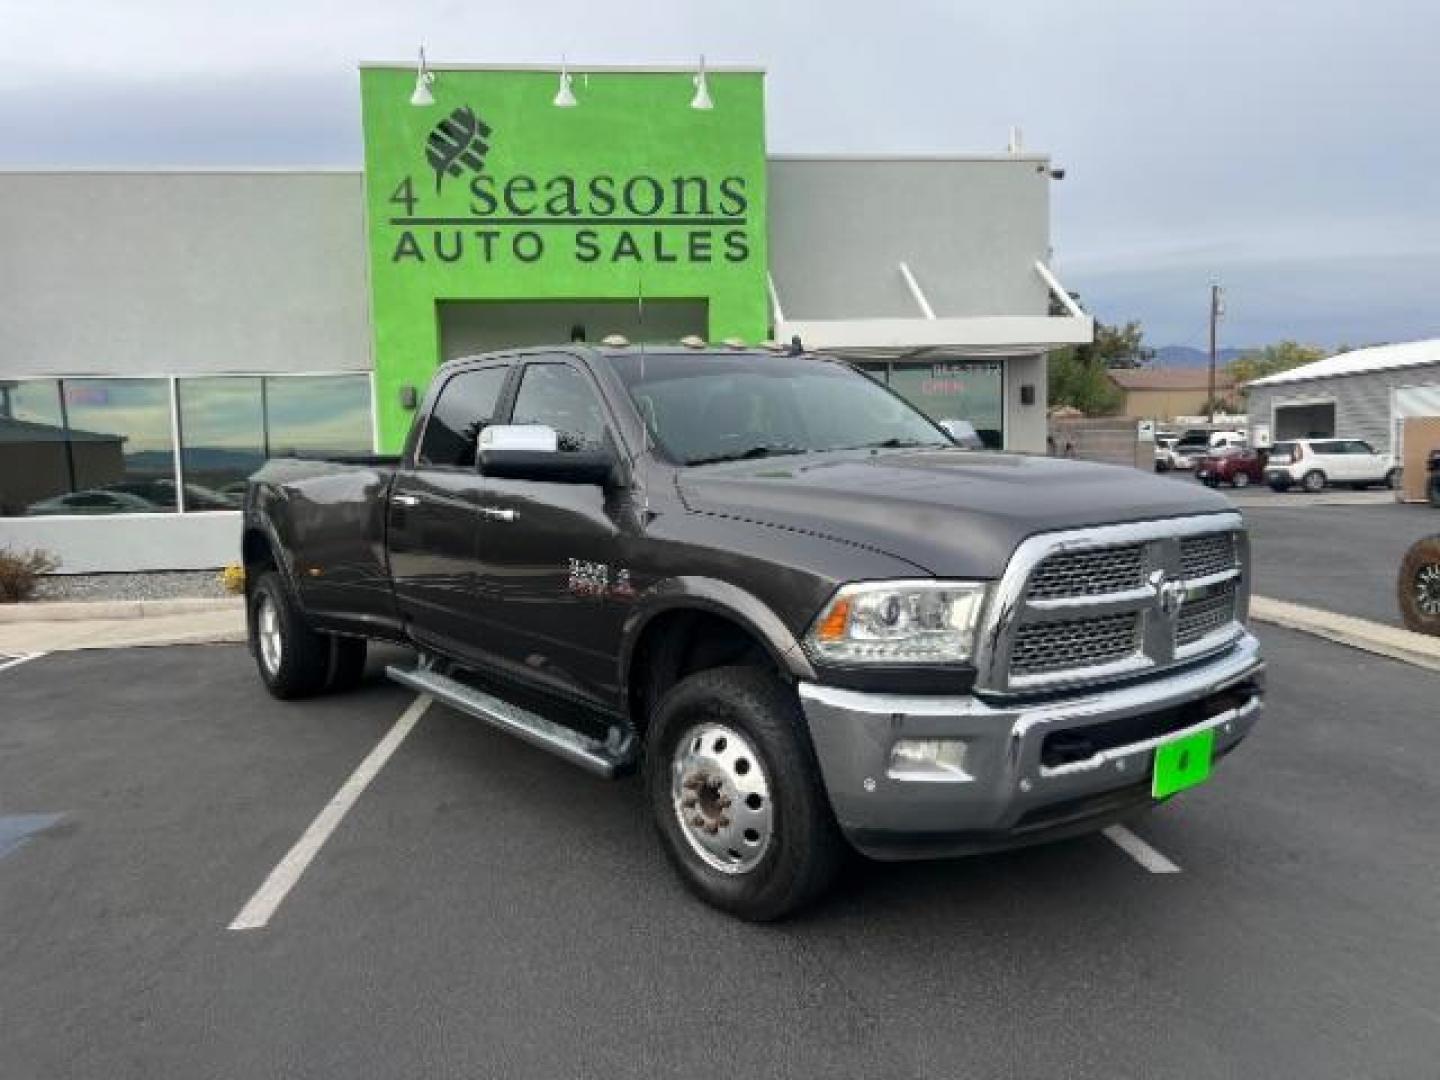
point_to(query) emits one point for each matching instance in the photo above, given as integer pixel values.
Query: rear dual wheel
(295, 660)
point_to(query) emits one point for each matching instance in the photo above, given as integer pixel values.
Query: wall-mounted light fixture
(702, 99)
(565, 96)
(424, 79)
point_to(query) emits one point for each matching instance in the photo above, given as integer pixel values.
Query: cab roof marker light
(693, 341)
(615, 341)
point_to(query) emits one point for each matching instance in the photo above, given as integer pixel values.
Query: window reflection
(312, 416)
(222, 439)
(107, 446)
(34, 457)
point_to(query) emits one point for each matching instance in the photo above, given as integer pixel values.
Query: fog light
(928, 759)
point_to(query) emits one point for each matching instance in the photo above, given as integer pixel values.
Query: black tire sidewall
(1422, 553)
(805, 847)
(304, 653)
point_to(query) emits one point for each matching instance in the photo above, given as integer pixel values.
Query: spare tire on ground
(1418, 586)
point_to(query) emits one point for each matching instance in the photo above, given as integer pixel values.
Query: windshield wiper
(894, 444)
(769, 450)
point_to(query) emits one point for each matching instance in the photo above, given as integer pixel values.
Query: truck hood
(951, 513)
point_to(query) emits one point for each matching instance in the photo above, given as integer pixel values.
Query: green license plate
(1182, 763)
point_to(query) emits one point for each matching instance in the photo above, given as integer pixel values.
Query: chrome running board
(605, 759)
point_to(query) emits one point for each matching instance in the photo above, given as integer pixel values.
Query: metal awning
(887, 338)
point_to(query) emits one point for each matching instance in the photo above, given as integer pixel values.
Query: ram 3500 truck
(814, 620)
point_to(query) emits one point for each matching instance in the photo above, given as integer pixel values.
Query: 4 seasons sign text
(464, 212)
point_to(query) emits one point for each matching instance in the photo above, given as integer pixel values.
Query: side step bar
(606, 759)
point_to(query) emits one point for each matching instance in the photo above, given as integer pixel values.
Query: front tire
(1313, 481)
(736, 794)
(293, 659)
(1418, 586)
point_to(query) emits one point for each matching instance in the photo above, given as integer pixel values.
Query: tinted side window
(1359, 446)
(560, 397)
(465, 407)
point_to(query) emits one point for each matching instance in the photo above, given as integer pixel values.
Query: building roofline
(572, 68)
(886, 158)
(180, 170)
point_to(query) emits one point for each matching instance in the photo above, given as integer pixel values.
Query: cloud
(1260, 144)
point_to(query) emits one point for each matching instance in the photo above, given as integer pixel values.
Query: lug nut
(723, 822)
(698, 821)
(716, 784)
(693, 783)
(688, 801)
(712, 829)
(725, 803)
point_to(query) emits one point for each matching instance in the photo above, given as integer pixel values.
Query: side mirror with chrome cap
(534, 452)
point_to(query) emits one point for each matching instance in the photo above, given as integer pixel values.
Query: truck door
(435, 518)
(556, 585)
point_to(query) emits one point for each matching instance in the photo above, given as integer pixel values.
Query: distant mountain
(1183, 356)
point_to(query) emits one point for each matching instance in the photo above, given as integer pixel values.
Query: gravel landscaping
(167, 585)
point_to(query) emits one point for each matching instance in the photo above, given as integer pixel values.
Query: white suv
(1313, 463)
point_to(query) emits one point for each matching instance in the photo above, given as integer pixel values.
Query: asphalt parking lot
(485, 910)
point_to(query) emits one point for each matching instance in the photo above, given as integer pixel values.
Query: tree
(1077, 375)
(1273, 359)
(1080, 383)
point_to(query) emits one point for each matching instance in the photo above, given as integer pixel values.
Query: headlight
(899, 622)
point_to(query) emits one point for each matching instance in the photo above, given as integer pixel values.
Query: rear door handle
(496, 514)
(405, 500)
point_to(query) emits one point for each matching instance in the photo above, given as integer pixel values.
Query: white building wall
(1362, 402)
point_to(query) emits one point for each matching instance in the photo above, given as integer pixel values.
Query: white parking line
(1139, 850)
(256, 914)
(16, 661)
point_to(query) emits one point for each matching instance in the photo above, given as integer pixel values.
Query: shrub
(20, 572)
(232, 578)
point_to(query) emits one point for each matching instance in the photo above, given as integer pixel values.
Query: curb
(109, 610)
(1420, 650)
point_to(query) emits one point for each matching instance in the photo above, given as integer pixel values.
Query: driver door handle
(405, 500)
(494, 513)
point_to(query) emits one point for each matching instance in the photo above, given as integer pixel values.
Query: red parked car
(1231, 465)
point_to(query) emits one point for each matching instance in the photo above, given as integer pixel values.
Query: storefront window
(945, 389)
(107, 446)
(310, 416)
(222, 439)
(34, 457)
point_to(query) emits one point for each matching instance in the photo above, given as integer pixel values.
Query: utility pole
(1217, 308)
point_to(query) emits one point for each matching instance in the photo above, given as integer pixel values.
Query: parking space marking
(7, 662)
(256, 913)
(1139, 850)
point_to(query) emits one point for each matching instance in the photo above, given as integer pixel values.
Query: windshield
(703, 408)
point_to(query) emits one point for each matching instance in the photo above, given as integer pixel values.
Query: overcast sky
(1290, 150)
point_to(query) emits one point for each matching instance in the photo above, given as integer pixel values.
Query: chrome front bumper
(1008, 795)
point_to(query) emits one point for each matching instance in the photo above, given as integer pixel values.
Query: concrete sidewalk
(1418, 649)
(64, 625)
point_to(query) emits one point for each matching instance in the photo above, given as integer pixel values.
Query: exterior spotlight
(702, 99)
(424, 79)
(565, 96)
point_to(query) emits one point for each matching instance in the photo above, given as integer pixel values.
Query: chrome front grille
(1081, 607)
(1089, 573)
(1202, 617)
(1212, 553)
(1041, 648)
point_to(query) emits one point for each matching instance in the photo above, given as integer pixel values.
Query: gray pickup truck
(812, 619)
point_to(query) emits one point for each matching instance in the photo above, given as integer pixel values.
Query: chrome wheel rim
(721, 796)
(267, 631)
(1427, 588)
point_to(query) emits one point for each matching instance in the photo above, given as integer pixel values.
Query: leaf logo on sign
(457, 143)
